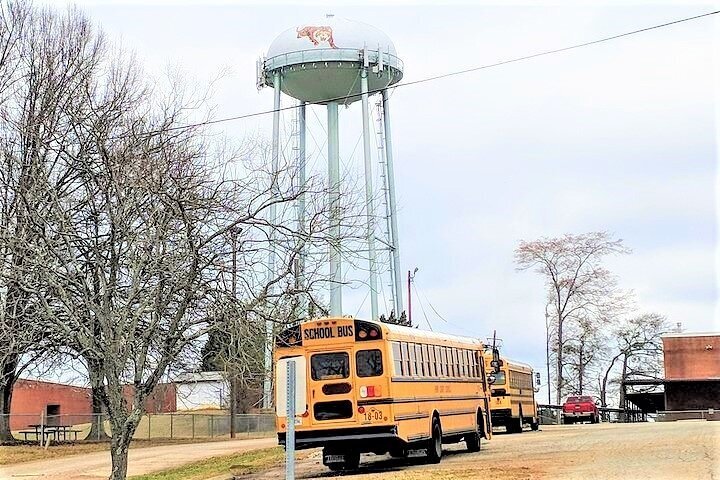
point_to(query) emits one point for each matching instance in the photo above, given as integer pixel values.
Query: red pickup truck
(580, 409)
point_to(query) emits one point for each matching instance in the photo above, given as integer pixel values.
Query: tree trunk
(97, 428)
(623, 415)
(119, 453)
(6, 388)
(559, 391)
(581, 367)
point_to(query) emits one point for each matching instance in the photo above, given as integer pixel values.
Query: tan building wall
(692, 356)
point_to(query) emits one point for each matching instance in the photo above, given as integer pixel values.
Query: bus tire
(535, 424)
(472, 440)
(352, 462)
(434, 448)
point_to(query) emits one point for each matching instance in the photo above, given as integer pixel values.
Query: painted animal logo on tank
(317, 35)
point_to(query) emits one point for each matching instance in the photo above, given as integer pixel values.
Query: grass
(236, 464)
(24, 452)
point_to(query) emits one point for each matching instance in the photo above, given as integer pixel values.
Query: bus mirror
(537, 379)
(496, 362)
(491, 379)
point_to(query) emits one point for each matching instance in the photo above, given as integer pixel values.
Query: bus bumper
(500, 416)
(364, 439)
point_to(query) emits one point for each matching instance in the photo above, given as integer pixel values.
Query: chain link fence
(93, 427)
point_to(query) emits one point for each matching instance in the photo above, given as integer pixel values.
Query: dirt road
(95, 466)
(640, 451)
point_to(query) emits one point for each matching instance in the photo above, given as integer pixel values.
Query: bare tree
(579, 287)
(636, 352)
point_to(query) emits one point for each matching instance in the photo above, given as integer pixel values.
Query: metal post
(193, 425)
(334, 207)
(393, 208)
(149, 431)
(302, 180)
(171, 426)
(369, 200)
(290, 422)
(275, 188)
(42, 427)
(212, 426)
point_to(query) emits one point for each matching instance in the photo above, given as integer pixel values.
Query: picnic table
(56, 431)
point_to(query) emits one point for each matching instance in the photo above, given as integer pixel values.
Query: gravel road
(687, 450)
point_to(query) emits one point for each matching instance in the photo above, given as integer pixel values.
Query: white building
(202, 391)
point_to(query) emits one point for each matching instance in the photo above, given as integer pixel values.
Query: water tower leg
(369, 205)
(301, 203)
(274, 189)
(334, 207)
(393, 209)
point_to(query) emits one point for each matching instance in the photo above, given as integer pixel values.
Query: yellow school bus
(513, 396)
(375, 387)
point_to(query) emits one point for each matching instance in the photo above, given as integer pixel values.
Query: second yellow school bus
(375, 387)
(513, 396)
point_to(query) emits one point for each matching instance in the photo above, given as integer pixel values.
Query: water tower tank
(321, 60)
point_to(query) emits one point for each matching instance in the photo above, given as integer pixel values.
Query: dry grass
(21, 453)
(235, 464)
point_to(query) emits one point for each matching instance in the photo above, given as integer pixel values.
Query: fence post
(212, 426)
(171, 426)
(42, 427)
(193, 425)
(149, 431)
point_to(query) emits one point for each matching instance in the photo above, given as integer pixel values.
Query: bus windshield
(330, 366)
(499, 378)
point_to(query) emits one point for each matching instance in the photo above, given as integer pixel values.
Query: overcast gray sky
(620, 136)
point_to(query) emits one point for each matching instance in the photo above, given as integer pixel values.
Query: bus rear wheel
(351, 461)
(472, 440)
(434, 448)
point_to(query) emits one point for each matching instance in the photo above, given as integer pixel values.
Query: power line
(457, 72)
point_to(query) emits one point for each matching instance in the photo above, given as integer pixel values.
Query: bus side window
(413, 360)
(426, 360)
(405, 359)
(481, 363)
(438, 361)
(445, 365)
(431, 361)
(466, 363)
(456, 363)
(397, 359)
(420, 360)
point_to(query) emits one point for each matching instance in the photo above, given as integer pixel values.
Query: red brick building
(33, 400)
(692, 371)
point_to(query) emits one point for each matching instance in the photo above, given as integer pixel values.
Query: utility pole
(411, 277)
(547, 350)
(233, 351)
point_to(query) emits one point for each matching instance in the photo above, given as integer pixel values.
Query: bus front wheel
(434, 448)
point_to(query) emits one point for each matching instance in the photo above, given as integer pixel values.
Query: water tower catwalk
(335, 62)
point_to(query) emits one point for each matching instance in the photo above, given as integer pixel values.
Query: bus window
(419, 358)
(405, 359)
(426, 360)
(465, 365)
(499, 378)
(455, 362)
(397, 359)
(481, 363)
(447, 367)
(413, 360)
(330, 366)
(431, 360)
(368, 363)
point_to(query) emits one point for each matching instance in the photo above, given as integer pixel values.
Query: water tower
(335, 62)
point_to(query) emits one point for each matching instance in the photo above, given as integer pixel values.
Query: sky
(621, 136)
